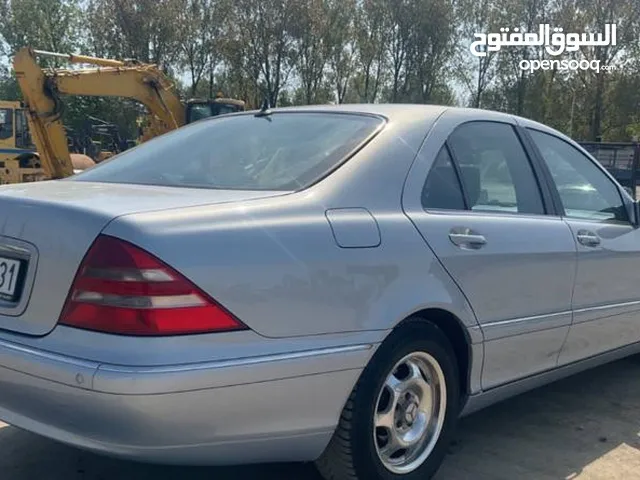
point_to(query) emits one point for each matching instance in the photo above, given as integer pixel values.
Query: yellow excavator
(18, 156)
(42, 90)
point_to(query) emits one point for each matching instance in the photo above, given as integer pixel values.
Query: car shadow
(585, 425)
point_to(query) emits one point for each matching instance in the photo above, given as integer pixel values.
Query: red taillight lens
(120, 288)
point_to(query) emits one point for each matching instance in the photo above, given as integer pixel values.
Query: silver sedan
(336, 284)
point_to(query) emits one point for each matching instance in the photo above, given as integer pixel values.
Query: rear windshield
(282, 151)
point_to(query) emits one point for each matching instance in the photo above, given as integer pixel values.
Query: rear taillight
(120, 288)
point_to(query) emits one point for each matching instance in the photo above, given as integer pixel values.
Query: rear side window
(495, 170)
(442, 190)
(283, 151)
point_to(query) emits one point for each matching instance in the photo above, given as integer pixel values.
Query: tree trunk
(522, 90)
(210, 81)
(596, 119)
(476, 100)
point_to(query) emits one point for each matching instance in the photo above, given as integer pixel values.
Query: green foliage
(52, 25)
(335, 51)
(145, 30)
(121, 112)
(9, 89)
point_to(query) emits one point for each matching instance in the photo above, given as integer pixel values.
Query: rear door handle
(467, 238)
(588, 239)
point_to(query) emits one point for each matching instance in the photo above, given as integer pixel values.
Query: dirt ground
(585, 427)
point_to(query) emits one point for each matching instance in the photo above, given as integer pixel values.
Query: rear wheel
(399, 419)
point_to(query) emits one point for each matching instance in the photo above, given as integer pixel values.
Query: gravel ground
(585, 427)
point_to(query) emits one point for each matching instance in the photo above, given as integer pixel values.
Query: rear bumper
(270, 408)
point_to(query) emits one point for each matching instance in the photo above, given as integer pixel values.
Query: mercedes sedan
(329, 284)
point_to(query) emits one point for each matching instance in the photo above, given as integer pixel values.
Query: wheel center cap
(410, 413)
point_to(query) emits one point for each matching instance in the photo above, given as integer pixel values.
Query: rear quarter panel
(276, 265)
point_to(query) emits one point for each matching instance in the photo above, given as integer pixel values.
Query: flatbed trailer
(621, 159)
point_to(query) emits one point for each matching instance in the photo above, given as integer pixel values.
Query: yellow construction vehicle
(18, 157)
(145, 83)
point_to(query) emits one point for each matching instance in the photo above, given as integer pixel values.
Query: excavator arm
(43, 117)
(41, 91)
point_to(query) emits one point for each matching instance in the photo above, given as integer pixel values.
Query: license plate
(9, 272)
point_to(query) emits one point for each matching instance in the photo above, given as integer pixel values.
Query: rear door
(606, 300)
(475, 197)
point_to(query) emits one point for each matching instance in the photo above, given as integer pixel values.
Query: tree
(262, 43)
(432, 44)
(311, 34)
(51, 25)
(477, 73)
(371, 33)
(340, 46)
(594, 15)
(196, 34)
(320, 51)
(399, 40)
(8, 85)
(144, 30)
(512, 79)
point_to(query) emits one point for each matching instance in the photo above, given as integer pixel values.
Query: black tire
(351, 453)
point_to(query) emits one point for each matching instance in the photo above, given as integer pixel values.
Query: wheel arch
(346, 455)
(457, 334)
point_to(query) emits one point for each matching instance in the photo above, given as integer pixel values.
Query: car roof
(388, 110)
(400, 110)
(405, 112)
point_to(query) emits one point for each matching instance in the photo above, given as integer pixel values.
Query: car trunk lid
(47, 227)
